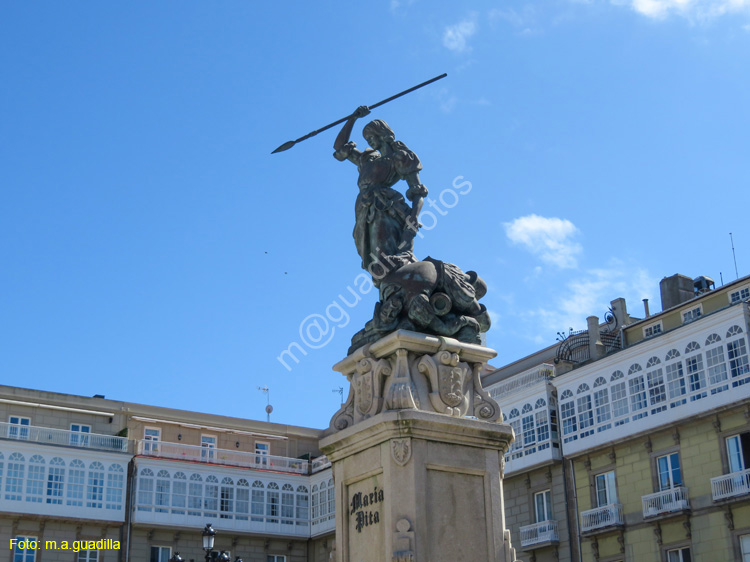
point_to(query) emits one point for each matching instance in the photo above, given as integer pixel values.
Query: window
(163, 484)
(151, 438)
(529, 433)
(272, 502)
(606, 492)
(737, 353)
(568, 415)
(211, 500)
(95, 489)
(145, 489)
(619, 396)
(179, 493)
(35, 480)
(226, 501)
(24, 549)
(675, 379)
(14, 477)
(738, 452)
(275, 558)
(208, 444)
(585, 414)
(287, 505)
(55, 481)
(195, 495)
(745, 548)
(542, 427)
(19, 427)
(76, 480)
(543, 506)
(637, 396)
(653, 330)
(601, 402)
(262, 450)
(717, 368)
(88, 556)
(243, 499)
(115, 485)
(656, 389)
(692, 314)
(303, 506)
(160, 554)
(258, 501)
(679, 555)
(79, 435)
(694, 367)
(668, 467)
(742, 294)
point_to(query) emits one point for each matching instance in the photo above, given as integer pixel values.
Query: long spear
(289, 144)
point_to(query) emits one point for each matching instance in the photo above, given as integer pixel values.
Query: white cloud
(455, 36)
(700, 10)
(548, 238)
(591, 293)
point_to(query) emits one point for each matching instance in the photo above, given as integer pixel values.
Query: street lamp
(223, 557)
(177, 558)
(208, 540)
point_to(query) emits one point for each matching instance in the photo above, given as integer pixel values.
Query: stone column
(417, 455)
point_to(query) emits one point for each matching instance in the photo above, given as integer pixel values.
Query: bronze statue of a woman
(385, 225)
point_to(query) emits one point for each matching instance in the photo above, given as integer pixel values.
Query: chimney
(645, 307)
(596, 347)
(676, 290)
(620, 310)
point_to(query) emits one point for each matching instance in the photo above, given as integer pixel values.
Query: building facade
(96, 480)
(646, 452)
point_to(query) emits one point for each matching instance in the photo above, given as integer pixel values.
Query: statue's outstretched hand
(361, 111)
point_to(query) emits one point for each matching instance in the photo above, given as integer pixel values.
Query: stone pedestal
(418, 456)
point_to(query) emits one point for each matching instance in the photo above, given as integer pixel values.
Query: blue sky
(153, 250)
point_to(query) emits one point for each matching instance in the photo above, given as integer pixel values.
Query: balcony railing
(538, 533)
(730, 485)
(50, 436)
(606, 516)
(226, 457)
(666, 501)
(320, 463)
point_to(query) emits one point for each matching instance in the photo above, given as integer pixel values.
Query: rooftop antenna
(269, 408)
(734, 256)
(340, 391)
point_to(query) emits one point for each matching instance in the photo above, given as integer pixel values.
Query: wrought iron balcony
(730, 485)
(666, 501)
(539, 533)
(51, 436)
(601, 517)
(228, 457)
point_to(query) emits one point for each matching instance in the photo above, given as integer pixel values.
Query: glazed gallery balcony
(730, 485)
(539, 534)
(226, 457)
(665, 502)
(602, 517)
(50, 436)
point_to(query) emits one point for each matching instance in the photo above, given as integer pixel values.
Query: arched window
(258, 501)
(226, 505)
(179, 492)
(657, 392)
(737, 355)
(601, 403)
(712, 339)
(14, 479)
(652, 361)
(692, 346)
(733, 331)
(617, 375)
(163, 484)
(95, 488)
(287, 505)
(243, 499)
(568, 416)
(672, 354)
(619, 397)
(527, 426)
(585, 414)
(715, 364)
(323, 500)
(634, 368)
(303, 509)
(76, 481)
(272, 503)
(331, 500)
(513, 414)
(115, 486)
(195, 495)
(145, 490)
(695, 373)
(541, 403)
(211, 498)
(600, 381)
(526, 409)
(35, 479)
(315, 506)
(55, 481)
(676, 387)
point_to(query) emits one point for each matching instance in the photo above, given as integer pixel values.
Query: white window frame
(159, 556)
(744, 541)
(670, 462)
(262, 452)
(692, 314)
(23, 555)
(676, 554)
(736, 460)
(737, 296)
(79, 434)
(545, 499)
(151, 441)
(653, 329)
(275, 557)
(208, 446)
(85, 556)
(605, 482)
(22, 431)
